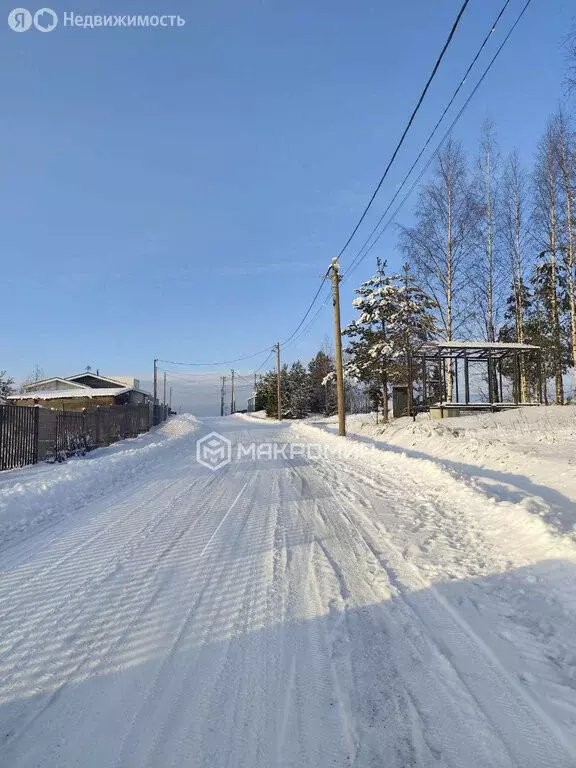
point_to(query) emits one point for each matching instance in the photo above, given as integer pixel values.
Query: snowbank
(34, 495)
(253, 415)
(258, 415)
(526, 455)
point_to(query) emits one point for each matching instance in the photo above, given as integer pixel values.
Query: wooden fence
(32, 434)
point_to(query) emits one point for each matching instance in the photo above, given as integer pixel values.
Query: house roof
(53, 378)
(66, 393)
(94, 376)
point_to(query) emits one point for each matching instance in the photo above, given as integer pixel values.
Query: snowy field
(325, 603)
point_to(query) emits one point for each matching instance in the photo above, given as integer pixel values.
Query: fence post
(56, 431)
(36, 435)
(2, 418)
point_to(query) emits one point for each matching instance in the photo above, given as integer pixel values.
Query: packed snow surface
(314, 602)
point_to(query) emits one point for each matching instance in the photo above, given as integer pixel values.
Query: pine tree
(299, 393)
(395, 319)
(555, 342)
(413, 324)
(565, 147)
(322, 395)
(547, 218)
(6, 385)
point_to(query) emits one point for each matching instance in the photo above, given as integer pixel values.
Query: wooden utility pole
(164, 390)
(222, 395)
(232, 403)
(278, 382)
(155, 380)
(335, 269)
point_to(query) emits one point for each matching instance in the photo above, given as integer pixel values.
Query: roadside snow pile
(260, 415)
(31, 496)
(178, 426)
(525, 455)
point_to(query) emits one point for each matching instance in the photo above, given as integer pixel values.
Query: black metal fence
(29, 435)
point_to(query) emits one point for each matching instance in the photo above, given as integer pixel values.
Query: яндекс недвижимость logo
(21, 19)
(45, 20)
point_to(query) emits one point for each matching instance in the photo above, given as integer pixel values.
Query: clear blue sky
(177, 192)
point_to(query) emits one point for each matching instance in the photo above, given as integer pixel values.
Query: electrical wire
(295, 335)
(301, 323)
(357, 261)
(433, 132)
(218, 362)
(265, 361)
(313, 320)
(408, 126)
(261, 351)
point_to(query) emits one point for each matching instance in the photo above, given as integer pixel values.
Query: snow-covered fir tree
(6, 385)
(395, 318)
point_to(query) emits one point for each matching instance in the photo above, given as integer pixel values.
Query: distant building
(83, 390)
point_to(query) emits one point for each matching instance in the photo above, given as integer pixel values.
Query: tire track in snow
(543, 742)
(145, 588)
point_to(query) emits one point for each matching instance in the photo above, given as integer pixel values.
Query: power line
(408, 126)
(218, 362)
(433, 132)
(356, 262)
(294, 336)
(313, 320)
(261, 351)
(301, 323)
(398, 146)
(265, 361)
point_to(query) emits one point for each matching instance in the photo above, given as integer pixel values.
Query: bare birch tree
(439, 244)
(571, 47)
(487, 273)
(513, 229)
(547, 211)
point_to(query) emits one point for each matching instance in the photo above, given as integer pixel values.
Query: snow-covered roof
(93, 375)
(480, 345)
(51, 378)
(65, 393)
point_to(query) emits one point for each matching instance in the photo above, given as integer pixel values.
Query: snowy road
(307, 611)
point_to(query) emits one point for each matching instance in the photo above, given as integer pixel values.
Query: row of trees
(304, 390)
(490, 256)
(493, 245)
(395, 318)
